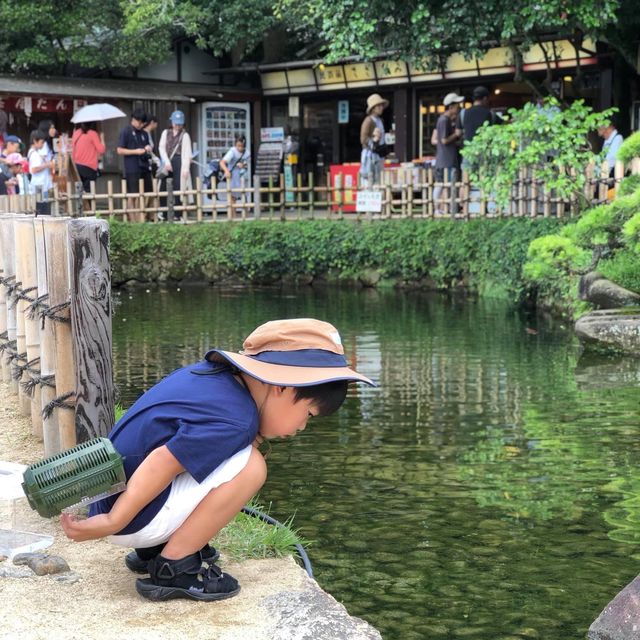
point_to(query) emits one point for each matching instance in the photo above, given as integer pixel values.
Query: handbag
(162, 173)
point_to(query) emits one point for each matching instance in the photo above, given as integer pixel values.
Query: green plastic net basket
(74, 476)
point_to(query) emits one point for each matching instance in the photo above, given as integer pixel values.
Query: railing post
(170, 200)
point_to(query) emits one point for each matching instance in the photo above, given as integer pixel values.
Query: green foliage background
(484, 255)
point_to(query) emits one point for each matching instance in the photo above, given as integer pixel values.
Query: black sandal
(138, 560)
(186, 578)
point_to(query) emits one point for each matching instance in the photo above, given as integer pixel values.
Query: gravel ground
(103, 604)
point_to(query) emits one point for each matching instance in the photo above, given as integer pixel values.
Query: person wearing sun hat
(190, 449)
(372, 140)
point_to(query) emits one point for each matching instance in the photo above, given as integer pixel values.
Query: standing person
(372, 141)
(12, 144)
(87, 147)
(470, 120)
(190, 448)
(48, 128)
(235, 165)
(447, 147)
(41, 171)
(175, 157)
(150, 125)
(134, 145)
(612, 142)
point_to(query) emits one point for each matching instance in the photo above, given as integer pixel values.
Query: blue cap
(177, 117)
(12, 139)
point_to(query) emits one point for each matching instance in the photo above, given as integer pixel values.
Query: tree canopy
(56, 36)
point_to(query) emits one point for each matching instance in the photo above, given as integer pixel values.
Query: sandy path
(104, 604)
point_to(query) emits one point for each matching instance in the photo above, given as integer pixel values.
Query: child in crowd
(40, 169)
(15, 184)
(190, 448)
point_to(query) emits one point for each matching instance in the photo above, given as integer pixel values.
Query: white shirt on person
(611, 146)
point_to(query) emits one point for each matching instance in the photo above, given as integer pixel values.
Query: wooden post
(199, 199)
(465, 194)
(91, 327)
(453, 194)
(50, 430)
(431, 204)
(55, 230)
(25, 240)
(256, 197)
(125, 201)
(79, 210)
(19, 304)
(312, 195)
(283, 215)
(171, 200)
(110, 199)
(9, 269)
(231, 210)
(603, 187)
(141, 201)
(618, 174)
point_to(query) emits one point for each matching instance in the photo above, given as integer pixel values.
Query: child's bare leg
(217, 509)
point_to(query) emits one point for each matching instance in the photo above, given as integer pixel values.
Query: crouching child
(190, 449)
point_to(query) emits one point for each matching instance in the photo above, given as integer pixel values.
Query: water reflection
(484, 490)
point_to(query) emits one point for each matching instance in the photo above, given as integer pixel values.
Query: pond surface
(488, 489)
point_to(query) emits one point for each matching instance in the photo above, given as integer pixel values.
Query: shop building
(324, 105)
(218, 103)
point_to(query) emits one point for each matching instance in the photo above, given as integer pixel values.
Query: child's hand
(90, 529)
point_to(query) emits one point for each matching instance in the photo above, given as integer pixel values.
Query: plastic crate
(87, 470)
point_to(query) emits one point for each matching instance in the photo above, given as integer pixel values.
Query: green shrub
(622, 268)
(482, 252)
(629, 185)
(630, 148)
(550, 140)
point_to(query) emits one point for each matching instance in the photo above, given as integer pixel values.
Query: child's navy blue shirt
(203, 415)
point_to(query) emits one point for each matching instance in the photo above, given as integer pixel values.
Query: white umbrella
(97, 113)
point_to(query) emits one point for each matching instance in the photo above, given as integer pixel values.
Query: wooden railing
(407, 192)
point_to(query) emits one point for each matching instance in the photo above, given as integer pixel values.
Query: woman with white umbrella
(87, 147)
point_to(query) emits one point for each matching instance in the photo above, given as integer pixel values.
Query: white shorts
(185, 495)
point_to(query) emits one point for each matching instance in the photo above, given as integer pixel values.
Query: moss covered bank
(484, 256)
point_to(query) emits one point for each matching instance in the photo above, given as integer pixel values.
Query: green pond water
(488, 489)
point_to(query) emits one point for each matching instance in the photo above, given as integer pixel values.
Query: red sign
(38, 105)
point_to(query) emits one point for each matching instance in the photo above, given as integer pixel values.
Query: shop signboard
(272, 134)
(343, 111)
(360, 74)
(369, 201)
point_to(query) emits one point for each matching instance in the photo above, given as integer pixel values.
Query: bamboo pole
(9, 269)
(199, 199)
(25, 240)
(19, 303)
(50, 430)
(56, 241)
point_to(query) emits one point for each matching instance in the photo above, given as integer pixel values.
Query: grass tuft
(247, 537)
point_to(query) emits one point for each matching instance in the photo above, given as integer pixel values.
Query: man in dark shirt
(134, 145)
(447, 147)
(470, 120)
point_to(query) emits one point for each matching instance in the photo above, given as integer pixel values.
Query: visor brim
(285, 375)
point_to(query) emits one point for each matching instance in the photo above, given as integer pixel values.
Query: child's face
(281, 416)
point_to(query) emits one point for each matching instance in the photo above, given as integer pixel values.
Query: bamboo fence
(406, 192)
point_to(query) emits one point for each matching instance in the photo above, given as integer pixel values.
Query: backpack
(213, 169)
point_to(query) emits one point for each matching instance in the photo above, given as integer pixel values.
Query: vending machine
(221, 123)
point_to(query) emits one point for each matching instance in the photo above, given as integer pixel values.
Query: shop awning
(133, 89)
(299, 77)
